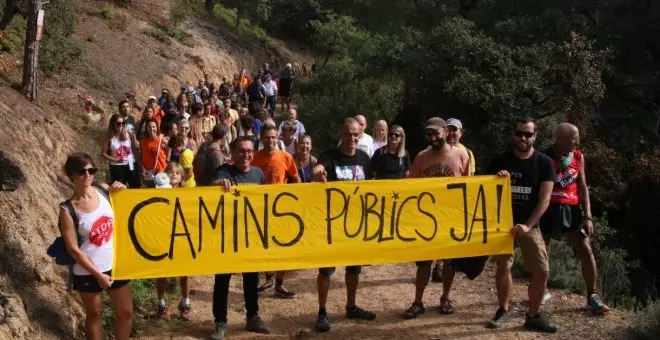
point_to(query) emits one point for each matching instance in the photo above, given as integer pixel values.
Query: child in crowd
(172, 178)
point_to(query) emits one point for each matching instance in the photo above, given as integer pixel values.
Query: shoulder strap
(68, 206)
(102, 190)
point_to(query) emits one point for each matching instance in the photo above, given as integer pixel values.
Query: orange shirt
(158, 114)
(149, 150)
(276, 165)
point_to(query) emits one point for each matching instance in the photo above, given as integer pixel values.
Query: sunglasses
(84, 171)
(397, 135)
(527, 134)
(120, 123)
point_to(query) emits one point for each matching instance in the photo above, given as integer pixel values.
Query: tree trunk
(10, 11)
(209, 5)
(30, 67)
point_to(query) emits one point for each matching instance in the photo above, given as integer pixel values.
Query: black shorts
(559, 219)
(89, 284)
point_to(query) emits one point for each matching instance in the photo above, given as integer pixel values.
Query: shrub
(647, 326)
(244, 28)
(108, 13)
(59, 49)
(161, 34)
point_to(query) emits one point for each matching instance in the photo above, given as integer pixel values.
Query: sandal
(359, 313)
(414, 311)
(446, 307)
(282, 293)
(266, 286)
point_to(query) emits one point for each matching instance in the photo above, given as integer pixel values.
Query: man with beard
(278, 167)
(439, 159)
(569, 213)
(344, 163)
(532, 178)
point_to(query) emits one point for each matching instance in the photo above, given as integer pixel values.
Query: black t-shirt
(389, 166)
(254, 176)
(346, 168)
(526, 177)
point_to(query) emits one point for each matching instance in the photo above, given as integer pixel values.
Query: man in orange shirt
(278, 167)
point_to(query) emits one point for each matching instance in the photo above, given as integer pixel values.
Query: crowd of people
(227, 136)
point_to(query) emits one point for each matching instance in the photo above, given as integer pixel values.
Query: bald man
(344, 163)
(365, 142)
(569, 214)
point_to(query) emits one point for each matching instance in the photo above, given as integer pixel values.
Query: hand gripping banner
(201, 231)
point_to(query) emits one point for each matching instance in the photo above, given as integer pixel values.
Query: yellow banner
(201, 231)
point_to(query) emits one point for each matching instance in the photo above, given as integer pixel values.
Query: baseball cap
(454, 122)
(288, 65)
(151, 98)
(165, 91)
(161, 180)
(436, 123)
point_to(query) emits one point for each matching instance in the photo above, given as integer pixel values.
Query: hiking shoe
(359, 313)
(596, 305)
(539, 323)
(256, 324)
(323, 323)
(283, 293)
(161, 313)
(185, 311)
(546, 297)
(436, 274)
(220, 331)
(414, 311)
(501, 316)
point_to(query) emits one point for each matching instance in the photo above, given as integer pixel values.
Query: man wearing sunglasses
(532, 178)
(125, 112)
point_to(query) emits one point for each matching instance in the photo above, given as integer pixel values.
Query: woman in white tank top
(90, 244)
(120, 149)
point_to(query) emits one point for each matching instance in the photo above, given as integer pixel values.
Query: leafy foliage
(59, 49)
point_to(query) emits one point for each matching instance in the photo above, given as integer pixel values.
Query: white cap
(288, 65)
(454, 122)
(151, 97)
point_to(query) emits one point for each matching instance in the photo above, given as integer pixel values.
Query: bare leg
(582, 246)
(93, 304)
(183, 283)
(160, 288)
(503, 283)
(121, 300)
(323, 285)
(352, 281)
(535, 290)
(447, 281)
(421, 280)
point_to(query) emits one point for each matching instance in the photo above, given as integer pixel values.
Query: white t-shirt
(269, 87)
(300, 128)
(366, 144)
(96, 231)
(291, 148)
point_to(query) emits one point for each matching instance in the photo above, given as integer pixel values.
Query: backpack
(57, 249)
(202, 170)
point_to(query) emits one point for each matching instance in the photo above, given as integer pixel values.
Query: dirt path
(388, 290)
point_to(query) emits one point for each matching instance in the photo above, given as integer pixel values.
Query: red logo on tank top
(123, 152)
(101, 231)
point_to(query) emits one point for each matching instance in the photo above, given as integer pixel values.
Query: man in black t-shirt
(532, 178)
(239, 173)
(344, 163)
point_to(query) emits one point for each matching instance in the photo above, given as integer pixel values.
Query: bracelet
(587, 218)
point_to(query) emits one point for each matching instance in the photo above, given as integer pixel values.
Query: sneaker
(546, 297)
(256, 324)
(283, 293)
(185, 311)
(359, 313)
(220, 331)
(596, 305)
(501, 316)
(436, 274)
(161, 313)
(539, 323)
(323, 323)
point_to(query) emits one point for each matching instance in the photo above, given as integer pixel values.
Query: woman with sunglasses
(392, 160)
(89, 242)
(153, 153)
(120, 148)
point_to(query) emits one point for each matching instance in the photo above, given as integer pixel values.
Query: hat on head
(435, 123)
(165, 91)
(151, 98)
(454, 122)
(288, 65)
(162, 180)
